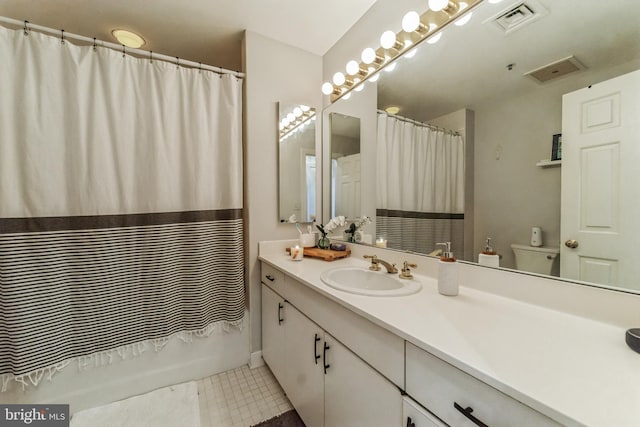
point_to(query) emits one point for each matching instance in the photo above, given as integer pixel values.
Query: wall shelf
(548, 163)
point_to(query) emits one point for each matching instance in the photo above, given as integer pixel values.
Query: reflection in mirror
(506, 88)
(297, 163)
(345, 166)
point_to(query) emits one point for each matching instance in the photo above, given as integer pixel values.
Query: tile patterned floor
(240, 398)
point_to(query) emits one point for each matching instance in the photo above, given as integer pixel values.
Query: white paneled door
(601, 182)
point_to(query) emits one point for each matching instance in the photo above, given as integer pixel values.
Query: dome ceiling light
(128, 38)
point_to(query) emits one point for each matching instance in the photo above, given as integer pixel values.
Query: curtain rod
(28, 26)
(417, 123)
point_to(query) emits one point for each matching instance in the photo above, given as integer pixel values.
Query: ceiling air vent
(555, 70)
(517, 16)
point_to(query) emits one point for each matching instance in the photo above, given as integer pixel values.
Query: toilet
(535, 259)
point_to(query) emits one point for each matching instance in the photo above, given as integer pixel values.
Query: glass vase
(324, 242)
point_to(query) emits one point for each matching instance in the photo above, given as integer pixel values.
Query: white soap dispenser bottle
(488, 256)
(447, 272)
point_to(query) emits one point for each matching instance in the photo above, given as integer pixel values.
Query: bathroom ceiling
(469, 65)
(207, 31)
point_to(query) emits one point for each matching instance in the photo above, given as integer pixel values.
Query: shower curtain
(420, 185)
(120, 203)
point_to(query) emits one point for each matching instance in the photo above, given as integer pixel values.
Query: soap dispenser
(488, 256)
(447, 272)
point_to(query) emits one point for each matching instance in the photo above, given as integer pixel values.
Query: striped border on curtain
(420, 231)
(75, 286)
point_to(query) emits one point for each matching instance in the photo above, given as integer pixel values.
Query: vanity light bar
(430, 24)
(287, 126)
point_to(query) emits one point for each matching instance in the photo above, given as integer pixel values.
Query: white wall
(512, 194)
(275, 72)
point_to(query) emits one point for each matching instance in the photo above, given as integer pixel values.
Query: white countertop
(573, 369)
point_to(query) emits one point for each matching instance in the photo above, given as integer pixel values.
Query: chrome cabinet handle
(270, 278)
(467, 413)
(571, 243)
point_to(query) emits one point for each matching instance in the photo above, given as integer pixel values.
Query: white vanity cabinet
(354, 393)
(327, 383)
(273, 311)
(460, 399)
(304, 377)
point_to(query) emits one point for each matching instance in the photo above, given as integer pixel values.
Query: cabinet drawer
(271, 276)
(438, 385)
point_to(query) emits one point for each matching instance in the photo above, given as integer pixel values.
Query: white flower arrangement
(339, 221)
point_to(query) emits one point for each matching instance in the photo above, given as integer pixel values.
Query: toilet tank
(535, 259)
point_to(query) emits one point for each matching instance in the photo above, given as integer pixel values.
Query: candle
(297, 253)
(381, 242)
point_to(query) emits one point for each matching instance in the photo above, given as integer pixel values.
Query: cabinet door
(304, 381)
(415, 416)
(273, 325)
(354, 393)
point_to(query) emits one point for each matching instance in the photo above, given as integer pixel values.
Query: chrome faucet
(375, 264)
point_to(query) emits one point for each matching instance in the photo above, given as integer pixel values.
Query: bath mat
(288, 419)
(174, 406)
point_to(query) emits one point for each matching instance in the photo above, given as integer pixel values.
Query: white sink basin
(362, 281)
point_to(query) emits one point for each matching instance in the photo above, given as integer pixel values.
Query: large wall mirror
(297, 163)
(490, 101)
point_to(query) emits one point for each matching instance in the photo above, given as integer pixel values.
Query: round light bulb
(389, 68)
(327, 88)
(368, 55)
(304, 108)
(291, 117)
(281, 126)
(411, 53)
(388, 39)
(353, 67)
(375, 78)
(435, 38)
(347, 96)
(411, 21)
(494, 1)
(285, 122)
(437, 5)
(338, 78)
(359, 88)
(460, 22)
(297, 111)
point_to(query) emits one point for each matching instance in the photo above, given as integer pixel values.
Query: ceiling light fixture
(392, 110)
(128, 38)
(415, 29)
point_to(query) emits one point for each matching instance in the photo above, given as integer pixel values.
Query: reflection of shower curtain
(420, 185)
(120, 203)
